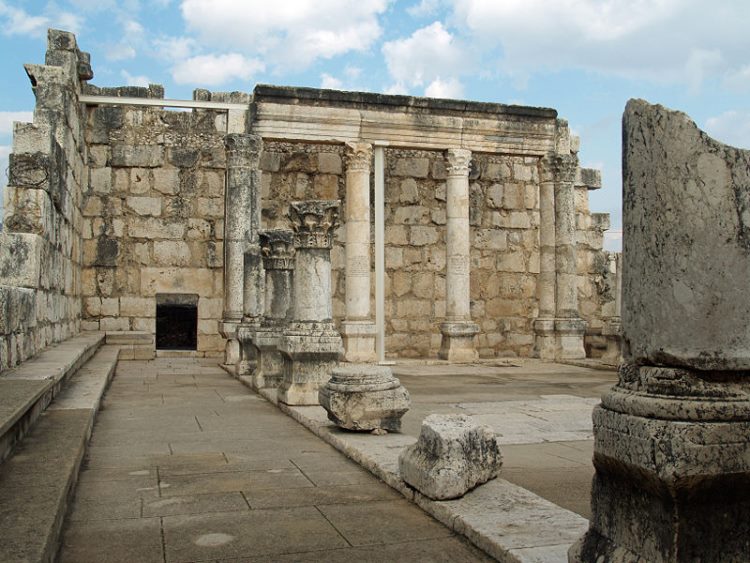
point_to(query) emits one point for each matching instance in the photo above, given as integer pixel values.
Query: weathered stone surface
(364, 397)
(452, 456)
(672, 438)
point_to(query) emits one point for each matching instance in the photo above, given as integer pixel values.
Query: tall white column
(241, 224)
(544, 324)
(358, 330)
(569, 327)
(458, 330)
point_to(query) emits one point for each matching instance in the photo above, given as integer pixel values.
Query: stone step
(38, 480)
(134, 345)
(26, 390)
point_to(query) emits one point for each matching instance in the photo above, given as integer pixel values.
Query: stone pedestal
(364, 397)
(358, 330)
(452, 456)
(612, 332)
(277, 250)
(672, 438)
(241, 223)
(311, 346)
(458, 330)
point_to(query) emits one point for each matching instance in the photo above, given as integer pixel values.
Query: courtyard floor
(187, 464)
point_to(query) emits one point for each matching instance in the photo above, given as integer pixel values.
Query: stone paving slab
(236, 480)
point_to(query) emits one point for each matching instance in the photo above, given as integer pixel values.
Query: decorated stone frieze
(314, 222)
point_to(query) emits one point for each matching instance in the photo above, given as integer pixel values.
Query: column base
(309, 352)
(248, 356)
(676, 487)
(268, 370)
(228, 329)
(569, 336)
(545, 343)
(457, 344)
(612, 332)
(364, 397)
(359, 341)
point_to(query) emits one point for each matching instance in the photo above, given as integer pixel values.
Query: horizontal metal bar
(159, 102)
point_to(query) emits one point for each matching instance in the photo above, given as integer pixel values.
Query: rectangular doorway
(176, 321)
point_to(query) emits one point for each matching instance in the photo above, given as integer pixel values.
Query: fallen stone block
(364, 397)
(452, 456)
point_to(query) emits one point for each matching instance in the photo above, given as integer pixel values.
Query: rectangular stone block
(21, 259)
(144, 156)
(177, 280)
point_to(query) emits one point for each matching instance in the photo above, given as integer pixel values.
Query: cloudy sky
(585, 58)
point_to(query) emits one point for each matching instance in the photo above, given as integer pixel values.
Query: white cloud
(738, 80)
(731, 127)
(451, 88)
(331, 82)
(8, 117)
(289, 33)
(396, 88)
(15, 21)
(677, 41)
(212, 70)
(424, 8)
(430, 55)
(174, 48)
(613, 240)
(139, 80)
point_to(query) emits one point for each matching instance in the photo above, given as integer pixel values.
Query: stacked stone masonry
(116, 204)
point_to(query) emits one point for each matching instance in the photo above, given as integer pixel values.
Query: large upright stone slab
(672, 438)
(452, 456)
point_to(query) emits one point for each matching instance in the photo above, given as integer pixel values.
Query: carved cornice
(243, 149)
(277, 249)
(358, 156)
(313, 222)
(458, 162)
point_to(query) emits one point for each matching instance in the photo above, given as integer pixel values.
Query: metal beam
(160, 102)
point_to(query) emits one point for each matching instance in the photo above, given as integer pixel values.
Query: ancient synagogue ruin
(304, 239)
(452, 229)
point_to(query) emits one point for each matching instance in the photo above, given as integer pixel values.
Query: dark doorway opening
(176, 321)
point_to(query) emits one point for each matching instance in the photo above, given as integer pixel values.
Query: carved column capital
(558, 168)
(358, 156)
(458, 161)
(313, 222)
(243, 149)
(277, 249)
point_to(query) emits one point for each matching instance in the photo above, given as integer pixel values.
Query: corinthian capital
(358, 156)
(313, 222)
(458, 162)
(558, 168)
(243, 149)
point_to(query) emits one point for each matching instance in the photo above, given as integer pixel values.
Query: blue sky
(585, 58)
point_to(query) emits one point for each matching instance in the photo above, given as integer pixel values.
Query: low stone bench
(26, 390)
(133, 345)
(38, 480)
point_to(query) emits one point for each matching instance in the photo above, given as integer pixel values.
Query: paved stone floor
(186, 464)
(541, 413)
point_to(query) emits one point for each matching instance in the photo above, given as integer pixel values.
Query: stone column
(612, 329)
(241, 224)
(569, 327)
(358, 330)
(277, 250)
(544, 325)
(458, 330)
(672, 438)
(311, 345)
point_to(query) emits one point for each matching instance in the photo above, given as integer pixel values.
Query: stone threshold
(504, 520)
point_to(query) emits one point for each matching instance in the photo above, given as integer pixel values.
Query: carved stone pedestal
(364, 397)
(672, 479)
(359, 340)
(457, 344)
(309, 351)
(612, 331)
(569, 336)
(545, 343)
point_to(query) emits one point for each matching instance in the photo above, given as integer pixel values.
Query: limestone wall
(153, 216)
(40, 245)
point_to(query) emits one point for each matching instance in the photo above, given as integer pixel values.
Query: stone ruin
(118, 210)
(672, 438)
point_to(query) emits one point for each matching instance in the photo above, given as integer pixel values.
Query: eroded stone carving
(311, 346)
(452, 456)
(672, 438)
(364, 397)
